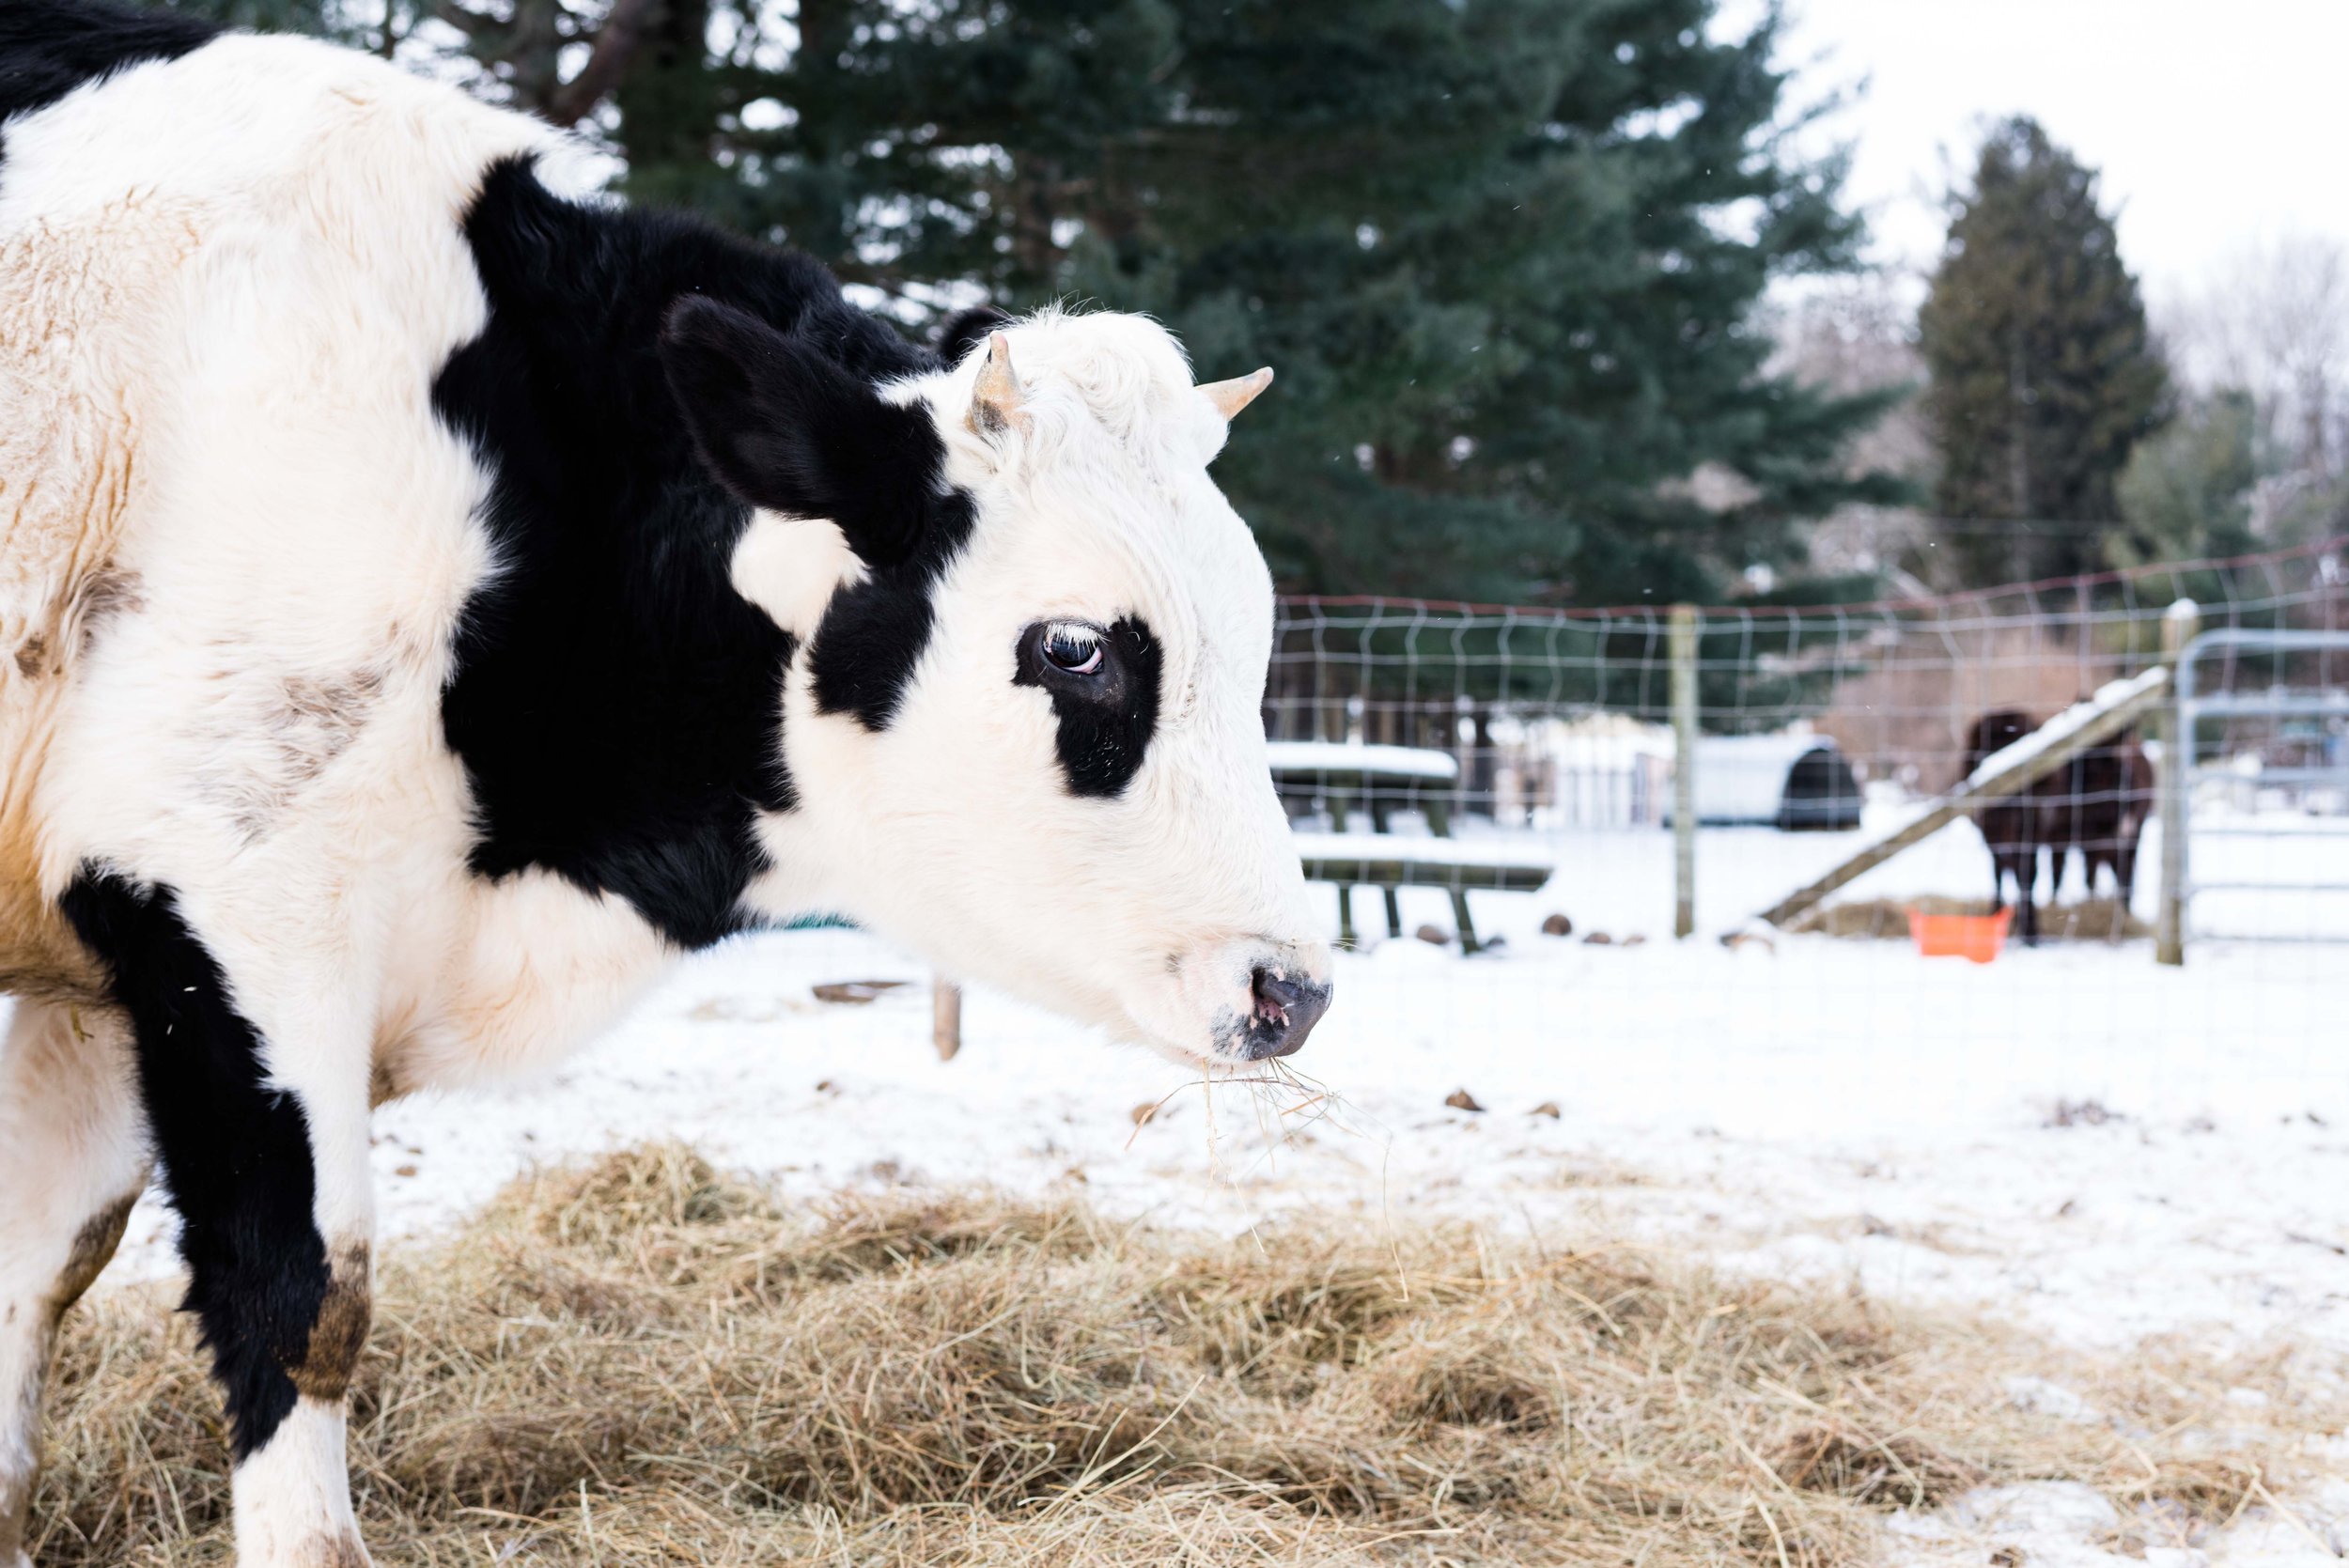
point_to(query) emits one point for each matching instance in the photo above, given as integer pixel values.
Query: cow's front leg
(263, 1145)
(72, 1160)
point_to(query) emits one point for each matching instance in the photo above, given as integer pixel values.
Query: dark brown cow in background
(2009, 825)
(2099, 805)
(2095, 803)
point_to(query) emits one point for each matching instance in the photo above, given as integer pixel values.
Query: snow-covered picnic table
(1383, 776)
(1337, 775)
(1380, 763)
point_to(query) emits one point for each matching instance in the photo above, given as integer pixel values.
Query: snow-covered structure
(1792, 780)
(1592, 771)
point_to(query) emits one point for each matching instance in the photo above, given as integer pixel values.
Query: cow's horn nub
(995, 401)
(1231, 396)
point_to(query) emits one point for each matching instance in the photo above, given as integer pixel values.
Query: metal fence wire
(1830, 719)
(2248, 754)
(1490, 805)
(1893, 684)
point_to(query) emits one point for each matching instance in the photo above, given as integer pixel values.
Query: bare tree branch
(2274, 320)
(616, 45)
(470, 22)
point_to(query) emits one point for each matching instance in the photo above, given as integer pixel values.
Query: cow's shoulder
(615, 700)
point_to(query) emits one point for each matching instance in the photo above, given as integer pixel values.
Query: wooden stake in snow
(2015, 768)
(945, 1017)
(2178, 626)
(1684, 667)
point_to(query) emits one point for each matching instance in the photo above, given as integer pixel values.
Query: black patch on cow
(966, 330)
(235, 1152)
(1106, 719)
(616, 703)
(874, 633)
(49, 47)
(787, 429)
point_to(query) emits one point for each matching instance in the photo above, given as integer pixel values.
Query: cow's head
(1022, 721)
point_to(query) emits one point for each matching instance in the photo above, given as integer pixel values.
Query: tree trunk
(2019, 427)
(1034, 189)
(664, 98)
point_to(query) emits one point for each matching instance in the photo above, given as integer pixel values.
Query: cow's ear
(785, 428)
(965, 330)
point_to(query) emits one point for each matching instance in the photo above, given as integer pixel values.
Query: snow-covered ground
(1836, 1107)
(2072, 1137)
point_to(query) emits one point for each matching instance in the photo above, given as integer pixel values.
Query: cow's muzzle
(1285, 1008)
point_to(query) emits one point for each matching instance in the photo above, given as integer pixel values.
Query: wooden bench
(1389, 862)
(1378, 777)
(1382, 779)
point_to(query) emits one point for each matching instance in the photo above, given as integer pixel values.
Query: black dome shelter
(1788, 782)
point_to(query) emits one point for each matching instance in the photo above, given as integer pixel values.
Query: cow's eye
(1073, 660)
(1072, 649)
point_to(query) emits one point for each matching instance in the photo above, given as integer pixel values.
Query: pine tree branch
(616, 45)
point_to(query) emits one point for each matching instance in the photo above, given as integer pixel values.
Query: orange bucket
(1975, 937)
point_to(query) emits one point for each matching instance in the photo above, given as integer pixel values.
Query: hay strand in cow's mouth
(1295, 1102)
(644, 1361)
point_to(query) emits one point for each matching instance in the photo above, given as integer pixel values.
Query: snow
(1819, 1107)
(2070, 722)
(1482, 851)
(1742, 777)
(1293, 757)
(2062, 1524)
(2073, 1137)
(2300, 866)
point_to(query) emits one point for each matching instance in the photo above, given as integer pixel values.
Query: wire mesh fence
(1483, 798)
(1556, 718)
(1499, 743)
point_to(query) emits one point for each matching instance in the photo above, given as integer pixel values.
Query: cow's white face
(1024, 730)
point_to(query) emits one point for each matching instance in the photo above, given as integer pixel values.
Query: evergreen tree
(2044, 376)
(276, 16)
(1505, 254)
(2186, 493)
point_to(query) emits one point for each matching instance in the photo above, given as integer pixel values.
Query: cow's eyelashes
(1073, 650)
(1069, 655)
(1103, 683)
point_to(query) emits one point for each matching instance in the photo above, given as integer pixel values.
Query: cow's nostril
(1285, 1013)
(1274, 997)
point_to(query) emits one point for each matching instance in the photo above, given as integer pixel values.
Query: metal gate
(2249, 765)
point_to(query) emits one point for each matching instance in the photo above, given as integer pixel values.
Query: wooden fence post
(2178, 628)
(1684, 693)
(945, 1017)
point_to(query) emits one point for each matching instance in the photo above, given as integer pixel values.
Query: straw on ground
(643, 1362)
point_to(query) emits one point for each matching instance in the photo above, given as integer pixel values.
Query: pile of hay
(2099, 920)
(644, 1362)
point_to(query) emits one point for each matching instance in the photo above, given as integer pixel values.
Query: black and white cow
(430, 602)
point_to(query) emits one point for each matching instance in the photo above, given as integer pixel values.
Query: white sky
(2215, 122)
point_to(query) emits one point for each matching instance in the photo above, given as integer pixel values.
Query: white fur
(226, 284)
(292, 1503)
(71, 1150)
(791, 567)
(243, 267)
(952, 829)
